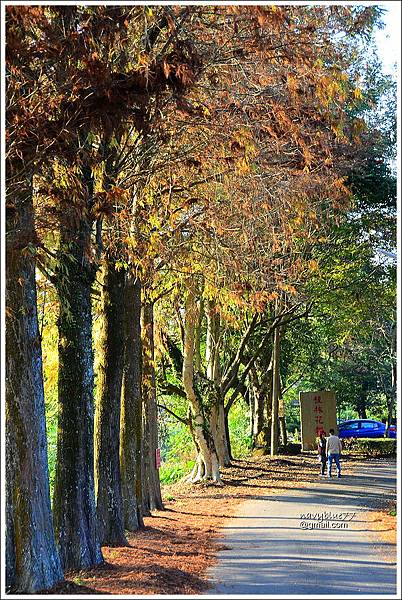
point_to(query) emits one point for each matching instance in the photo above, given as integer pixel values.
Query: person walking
(322, 450)
(334, 449)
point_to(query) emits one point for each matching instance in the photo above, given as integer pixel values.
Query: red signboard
(318, 415)
(157, 458)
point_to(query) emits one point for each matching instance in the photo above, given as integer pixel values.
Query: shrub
(372, 446)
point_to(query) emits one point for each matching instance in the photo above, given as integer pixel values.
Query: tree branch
(181, 419)
(172, 390)
(233, 367)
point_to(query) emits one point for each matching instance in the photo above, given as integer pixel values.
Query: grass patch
(172, 472)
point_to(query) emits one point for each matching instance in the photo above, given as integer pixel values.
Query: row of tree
(193, 158)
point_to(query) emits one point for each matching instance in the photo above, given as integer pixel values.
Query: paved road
(269, 552)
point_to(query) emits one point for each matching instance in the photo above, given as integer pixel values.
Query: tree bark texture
(260, 394)
(213, 343)
(207, 464)
(219, 432)
(32, 561)
(282, 430)
(227, 438)
(256, 407)
(362, 402)
(131, 410)
(74, 493)
(275, 392)
(217, 417)
(152, 496)
(109, 504)
(197, 335)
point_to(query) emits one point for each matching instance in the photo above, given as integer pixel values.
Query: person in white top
(334, 449)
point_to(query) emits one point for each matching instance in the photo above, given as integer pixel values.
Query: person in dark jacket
(322, 450)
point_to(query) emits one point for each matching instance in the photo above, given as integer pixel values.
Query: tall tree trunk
(213, 343)
(283, 431)
(392, 396)
(228, 442)
(207, 459)
(261, 393)
(217, 417)
(390, 409)
(197, 335)
(32, 561)
(131, 413)
(220, 432)
(74, 492)
(145, 461)
(252, 412)
(282, 417)
(362, 410)
(276, 383)
(256, 407)
(152, 489)
(361, 402)
(109, 505)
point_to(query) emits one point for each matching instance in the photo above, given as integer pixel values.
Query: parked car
(392, 431)
(362, 428)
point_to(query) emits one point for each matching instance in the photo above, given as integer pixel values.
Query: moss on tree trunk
(74, 493)
(109, 506)
(152, 497)
(131, 412)
(32, 561)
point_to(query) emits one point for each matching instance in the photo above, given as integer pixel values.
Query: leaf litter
(172, 553)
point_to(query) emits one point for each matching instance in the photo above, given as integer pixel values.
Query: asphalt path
(310, 541)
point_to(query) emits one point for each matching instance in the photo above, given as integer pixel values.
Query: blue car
(362, 428)
(392, 431)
